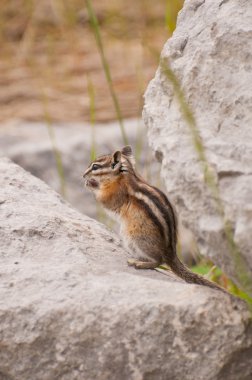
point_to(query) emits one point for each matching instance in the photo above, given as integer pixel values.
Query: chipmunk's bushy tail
(192, 278)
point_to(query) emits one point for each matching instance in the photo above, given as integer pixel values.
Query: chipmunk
(147, 217)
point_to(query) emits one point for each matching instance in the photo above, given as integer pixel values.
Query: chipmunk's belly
(129, 241)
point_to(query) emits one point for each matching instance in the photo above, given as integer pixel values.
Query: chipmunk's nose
(86, 172)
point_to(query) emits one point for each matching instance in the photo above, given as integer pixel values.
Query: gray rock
(210, 52)
(71, 309)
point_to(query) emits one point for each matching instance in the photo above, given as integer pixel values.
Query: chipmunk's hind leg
(143, 264)
(147, 250)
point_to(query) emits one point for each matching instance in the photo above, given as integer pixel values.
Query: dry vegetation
(48, 52)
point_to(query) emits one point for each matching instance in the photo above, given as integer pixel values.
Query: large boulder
(210, 53)
(71, 308)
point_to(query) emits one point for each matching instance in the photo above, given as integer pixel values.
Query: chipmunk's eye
(96, 167)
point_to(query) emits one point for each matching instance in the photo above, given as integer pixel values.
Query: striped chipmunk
(147, 218)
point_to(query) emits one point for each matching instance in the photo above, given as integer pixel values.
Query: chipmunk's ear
(127, 151)
(116, 159)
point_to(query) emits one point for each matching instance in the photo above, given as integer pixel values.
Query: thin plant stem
(91, 95)
(56, 151)
(106, 68)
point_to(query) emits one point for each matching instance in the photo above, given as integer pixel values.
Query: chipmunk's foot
(142, 264)
(131, 262)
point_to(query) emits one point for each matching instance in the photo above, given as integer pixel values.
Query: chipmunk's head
(106, 169)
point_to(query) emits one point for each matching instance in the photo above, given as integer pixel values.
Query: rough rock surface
(70, 308)
(211, 54)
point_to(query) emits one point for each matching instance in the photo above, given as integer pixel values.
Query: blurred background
(49, 55)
